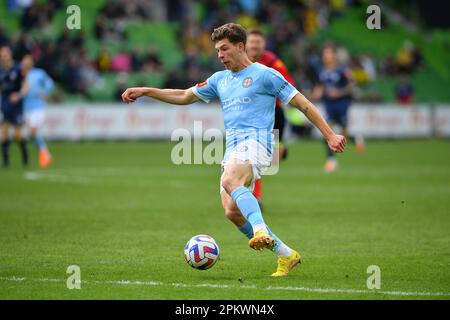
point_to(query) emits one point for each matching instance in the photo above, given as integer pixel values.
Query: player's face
(229, 53)
(255, 46)
(328, 56)
(5, 55)
(27, 63)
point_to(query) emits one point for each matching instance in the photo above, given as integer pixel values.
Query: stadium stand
(88, 62)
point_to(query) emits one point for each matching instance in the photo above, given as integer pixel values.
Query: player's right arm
(173, 96)
(205, 91)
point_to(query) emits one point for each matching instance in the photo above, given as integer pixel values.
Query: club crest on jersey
(204, 83)
(247, 82)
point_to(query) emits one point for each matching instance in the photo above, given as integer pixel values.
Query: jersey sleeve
(206, 90)
(275, 84)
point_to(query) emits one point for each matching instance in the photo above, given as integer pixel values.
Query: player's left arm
(336, 142)
(277, 85)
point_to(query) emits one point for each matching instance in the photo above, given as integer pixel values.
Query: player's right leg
(5, 143)
(35, 120)
(237, 176)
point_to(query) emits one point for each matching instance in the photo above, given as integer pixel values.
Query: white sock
(283, 250)
(260, 227)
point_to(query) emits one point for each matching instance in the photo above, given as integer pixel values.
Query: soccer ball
(201, 252)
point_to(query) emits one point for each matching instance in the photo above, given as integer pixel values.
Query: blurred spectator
(152, 62)
(73, 78)
(111, 10)
(121, 62)
(404, 91)
(250, 7)
(103, 61)
(369, 66)
(175, 81)
(287, 23)
(136, 59)
(89, 74)
(100, 27)
(358, 73)
(17, 5)
(3, 37)
(30, 18)
(404, 58)
(21, 45)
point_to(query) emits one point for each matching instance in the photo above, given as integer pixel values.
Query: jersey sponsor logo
(235, 104)
(204, 83)
(247, 82)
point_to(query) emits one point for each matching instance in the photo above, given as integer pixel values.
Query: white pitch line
(51, 177)
(226, 286)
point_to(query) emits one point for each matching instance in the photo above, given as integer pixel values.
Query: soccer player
(13, 89)
(335, 90)
(39, 84)
(256, 51)
(247, 92)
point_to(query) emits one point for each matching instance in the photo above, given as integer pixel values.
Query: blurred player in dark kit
(13, 89)
(335, 90)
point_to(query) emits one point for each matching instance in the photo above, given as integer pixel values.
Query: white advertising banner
(126, 122)
(442, 121)
(119, 121)
(390, 121)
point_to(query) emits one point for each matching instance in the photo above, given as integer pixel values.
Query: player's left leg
(22, 143)
(287, 257)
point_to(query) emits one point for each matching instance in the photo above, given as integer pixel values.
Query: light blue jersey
(40, 85)
(248, 101)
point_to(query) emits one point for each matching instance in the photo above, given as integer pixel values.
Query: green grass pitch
(123, 212)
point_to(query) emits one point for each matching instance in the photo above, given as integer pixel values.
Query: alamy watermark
(73, 21)
(255, 146)
(374, 20)
(374, 280)
(74, 280)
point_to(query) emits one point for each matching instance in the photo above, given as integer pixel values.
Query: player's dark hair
(330, 45)
(234, 32)
(256, 32)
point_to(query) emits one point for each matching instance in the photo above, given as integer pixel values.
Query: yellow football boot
(261, 240)
(286, 264)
